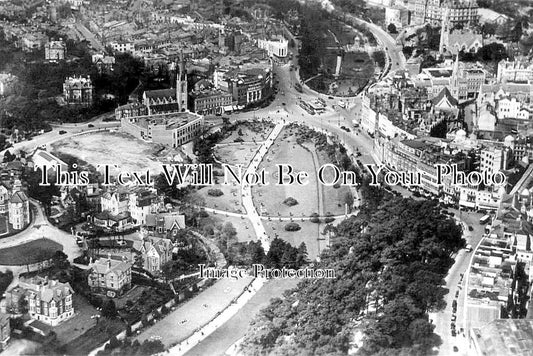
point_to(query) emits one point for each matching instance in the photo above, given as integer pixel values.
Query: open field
(30, 252)
(309, 233)
(128, 153)
(236, 153)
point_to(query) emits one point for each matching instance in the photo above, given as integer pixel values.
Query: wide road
(226, 335)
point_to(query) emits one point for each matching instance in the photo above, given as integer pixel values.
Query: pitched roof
(18, 197)
(160, 93)
(106, 265)
(444, 93)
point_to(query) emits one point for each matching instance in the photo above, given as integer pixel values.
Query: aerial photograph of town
(266, 177)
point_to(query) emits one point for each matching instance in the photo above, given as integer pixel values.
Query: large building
(168, 129)
(517, 71)
(169, 100)
(49, 301)
(397, 15)
(78, 91)
(460, 12)
(502, 337)
(110, 277)
(275, 47)
(19, 210)
(247, 85)
(466, 81)
(211, 102)
(55, 51)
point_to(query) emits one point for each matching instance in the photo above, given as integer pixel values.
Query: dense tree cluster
(391, 260)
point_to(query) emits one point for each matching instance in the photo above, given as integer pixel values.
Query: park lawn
(30, 252)
(229, 201)
(334, 198)
(237, 153)
(269, 199)
(242, 225)
(310, 233)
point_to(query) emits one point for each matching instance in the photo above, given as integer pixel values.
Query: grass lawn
(30, 252)
(229, 201)
(333, 197)
(269, 199)
(309, 233)
(244, 228)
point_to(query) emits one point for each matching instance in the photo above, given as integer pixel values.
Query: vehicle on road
(62, 132)
(455, 349)
(345, 128)
(90, 125)
(484, 220)
(469, 248)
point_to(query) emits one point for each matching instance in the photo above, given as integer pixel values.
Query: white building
(396, 15)
(276, 47)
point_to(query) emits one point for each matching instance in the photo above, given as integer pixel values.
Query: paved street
(195, 313)
(231, 331)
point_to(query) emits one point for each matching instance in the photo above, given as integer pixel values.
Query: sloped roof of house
(18, 197)
(445, 94)
(160, 93)
(106, 265)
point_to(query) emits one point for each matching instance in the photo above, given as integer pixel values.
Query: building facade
(19, 210)
(110, 277)
(78, 91)
(55, 51)
(172, 130)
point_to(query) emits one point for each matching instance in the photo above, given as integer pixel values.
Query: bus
(484, 220)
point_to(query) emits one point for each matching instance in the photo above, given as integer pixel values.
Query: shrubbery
(290, 201)
(215, 192)
(292, 226)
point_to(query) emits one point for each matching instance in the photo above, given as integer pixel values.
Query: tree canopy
(394, 258)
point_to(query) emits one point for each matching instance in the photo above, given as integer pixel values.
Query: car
(283, 104)
(454, 333)
(345, 128)
(62, 132)
(90, 125)
(455, 349)
(330, 97)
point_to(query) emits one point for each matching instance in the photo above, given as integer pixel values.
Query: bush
(292, 226)
(329, 220)
(214, 192)
(290, 201)
(315, 218)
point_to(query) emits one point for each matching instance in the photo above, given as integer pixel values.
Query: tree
(439, 130)
(109, 309)
(392, 28)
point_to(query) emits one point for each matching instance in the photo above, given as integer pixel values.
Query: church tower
(181, 85)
